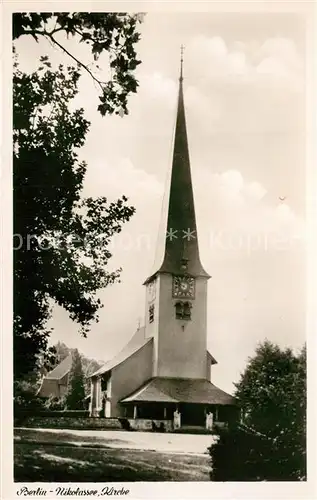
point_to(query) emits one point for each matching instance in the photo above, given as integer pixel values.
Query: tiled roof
(60, 370)
(137, 341)
(150, 392)
(180, 390)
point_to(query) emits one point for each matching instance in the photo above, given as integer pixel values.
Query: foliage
(25, 399)
(75, 398)
(272, 390)
(113, 33)
(240, 454)
(89, 365)
(271, 443)
(61, 239)
(53, 403)
(62, 351)
(57, 256)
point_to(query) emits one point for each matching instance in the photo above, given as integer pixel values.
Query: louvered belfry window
(151, 313)
(183, 310)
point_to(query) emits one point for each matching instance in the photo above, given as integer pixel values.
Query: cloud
(276, 57)
(283, 50)
(242, 217)
(120, 177)
(212, 56)
(158, 87)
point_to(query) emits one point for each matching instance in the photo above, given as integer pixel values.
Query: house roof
(136, 342)
(60, 370)
(180, 390)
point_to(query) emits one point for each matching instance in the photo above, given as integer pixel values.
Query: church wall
(208, 367)
(151, 299)
(181, 344)
(129, 376)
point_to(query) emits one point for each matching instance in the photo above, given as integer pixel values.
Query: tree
(61, 239)
(272, 397)
(48, 177)
(272, 391)
(76, 391)
(272, 394)
(114, 33)
(62, 351)
(89, 365)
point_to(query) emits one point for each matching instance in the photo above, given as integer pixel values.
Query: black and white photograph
(159, 199)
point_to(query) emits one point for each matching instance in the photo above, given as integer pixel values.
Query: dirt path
(162, 442)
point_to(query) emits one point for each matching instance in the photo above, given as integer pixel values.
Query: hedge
(63, 422)
(241, 455)
(52, 413)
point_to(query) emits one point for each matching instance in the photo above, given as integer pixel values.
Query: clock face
(183, 286)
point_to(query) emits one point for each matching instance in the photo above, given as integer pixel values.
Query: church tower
(176, 294)
(163, 373)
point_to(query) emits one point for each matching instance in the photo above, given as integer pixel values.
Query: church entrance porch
(177, 416)
(150, 410)
(181, 403)
(192, 414)
(167, 415)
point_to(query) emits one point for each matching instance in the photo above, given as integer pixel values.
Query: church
(163, 375)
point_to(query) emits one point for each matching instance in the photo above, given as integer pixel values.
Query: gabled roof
(60, 370)
(180, 390)
(151, 391)
(137, 342)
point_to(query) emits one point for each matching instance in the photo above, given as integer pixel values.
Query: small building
(164, 373)
(55, 382)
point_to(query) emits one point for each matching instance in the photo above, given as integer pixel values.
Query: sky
(244, 90)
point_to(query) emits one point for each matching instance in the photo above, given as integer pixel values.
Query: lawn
(46, 462)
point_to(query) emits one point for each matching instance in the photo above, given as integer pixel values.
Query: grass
(43, 462)
(62, 437)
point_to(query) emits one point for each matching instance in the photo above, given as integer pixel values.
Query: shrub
(25, 400)
(54, 403)
(271, 446)
(125, 424)
(244, 455)
(75, 397)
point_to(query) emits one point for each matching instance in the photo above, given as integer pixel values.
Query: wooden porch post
(93, 398)
(135, 412)
(164, 412)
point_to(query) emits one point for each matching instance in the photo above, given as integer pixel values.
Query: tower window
(183, 310)
(151, 313)
(187, 310)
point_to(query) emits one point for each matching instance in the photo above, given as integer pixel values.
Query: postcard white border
(190, 490)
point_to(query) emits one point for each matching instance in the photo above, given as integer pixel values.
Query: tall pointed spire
(181, 247)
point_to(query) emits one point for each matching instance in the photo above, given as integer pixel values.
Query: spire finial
(182, 60)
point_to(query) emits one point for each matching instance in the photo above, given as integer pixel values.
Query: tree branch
(76, 60)
(49, 36)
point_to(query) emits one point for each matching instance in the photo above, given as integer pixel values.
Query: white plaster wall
(129, 376)
(181, 345)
